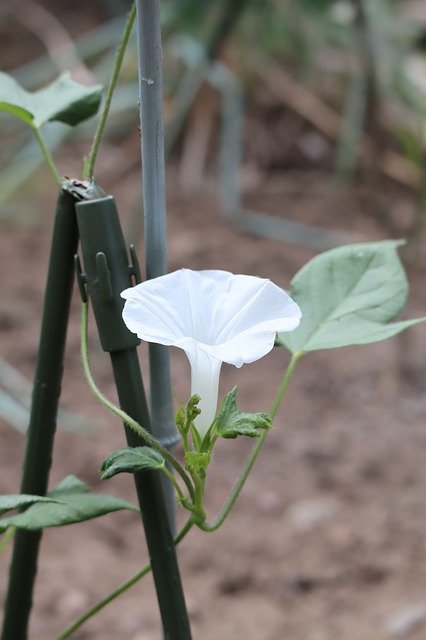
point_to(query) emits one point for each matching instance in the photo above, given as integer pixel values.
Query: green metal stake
(107, 273)
(44, 409)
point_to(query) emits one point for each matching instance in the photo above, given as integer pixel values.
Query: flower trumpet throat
(214, 316)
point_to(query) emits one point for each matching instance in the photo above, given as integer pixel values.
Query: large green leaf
(15, 501)
(348, 296)
(231, 422)
(130, 460)
(75, 504)
(63, 100)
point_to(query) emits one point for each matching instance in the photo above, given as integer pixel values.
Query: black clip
(81, 278)
(134, 268)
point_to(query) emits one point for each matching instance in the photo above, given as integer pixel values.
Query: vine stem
(117, 592)
(174, 482)
(47, 156)
(9, 533)
(89, 162)
(220, 518)
(284, 384)
(143, 433)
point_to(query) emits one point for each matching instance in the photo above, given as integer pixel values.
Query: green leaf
(63, 100)
(231, 422)
(130, 460)
(15, 501)
(70, 484)
(348, 296)
(75, 504)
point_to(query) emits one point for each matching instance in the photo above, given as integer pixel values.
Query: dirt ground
(327, 539)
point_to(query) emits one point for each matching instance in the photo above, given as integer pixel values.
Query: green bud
(197, 461)
(192, 410)
(181, 422)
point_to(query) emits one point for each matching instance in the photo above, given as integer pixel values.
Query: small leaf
(348, 296)
(76, 505)
(231, 422)
(130, 460)
(63, 100)
(15, 501)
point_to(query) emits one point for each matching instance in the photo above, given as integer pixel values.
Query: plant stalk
(47, 156)
(8, 537)
(89, 163)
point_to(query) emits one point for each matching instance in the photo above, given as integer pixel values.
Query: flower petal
(256, 303)
(157, 310)
(244, 348)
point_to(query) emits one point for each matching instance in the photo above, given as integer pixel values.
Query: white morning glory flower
(215, 317)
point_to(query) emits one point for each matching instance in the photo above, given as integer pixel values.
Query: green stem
(7, 538)
(198, 513)
(174, 482)
(47, 156)
(89, 163)
(284, 384)
(117, 592)
(207, 526)
(143, 433)
(185, 441)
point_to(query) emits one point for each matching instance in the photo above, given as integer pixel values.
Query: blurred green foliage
(361, 57)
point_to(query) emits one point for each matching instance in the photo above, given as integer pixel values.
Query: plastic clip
(81, 278)
(134, 268)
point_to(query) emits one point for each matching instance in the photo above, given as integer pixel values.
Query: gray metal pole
(154, 205)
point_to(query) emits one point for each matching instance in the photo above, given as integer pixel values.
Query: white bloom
(215, 317)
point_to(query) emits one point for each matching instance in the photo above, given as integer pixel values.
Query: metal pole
(41, 431)
(154, 205)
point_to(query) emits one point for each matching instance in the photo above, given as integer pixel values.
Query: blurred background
(292, 126)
